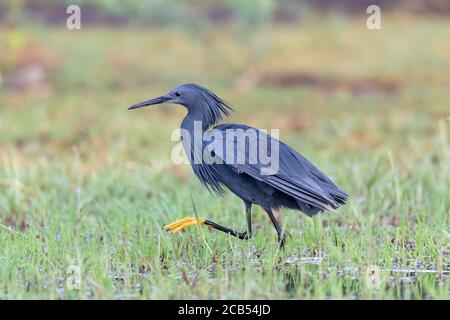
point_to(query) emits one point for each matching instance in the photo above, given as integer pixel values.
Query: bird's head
(180, 95)
(195, 98)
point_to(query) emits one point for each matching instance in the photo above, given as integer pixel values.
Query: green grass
(84, 182)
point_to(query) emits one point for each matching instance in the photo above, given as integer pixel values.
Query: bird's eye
(177, 94)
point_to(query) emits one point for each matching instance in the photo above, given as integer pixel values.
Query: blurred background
(369, 107)
(310, 68)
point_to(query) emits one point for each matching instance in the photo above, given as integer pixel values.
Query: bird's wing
(294, 174)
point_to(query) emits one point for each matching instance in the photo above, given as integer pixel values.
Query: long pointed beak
(150, 102)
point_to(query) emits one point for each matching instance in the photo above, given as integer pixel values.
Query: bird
(223, 161)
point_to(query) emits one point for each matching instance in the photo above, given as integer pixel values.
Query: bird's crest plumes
(213, 108)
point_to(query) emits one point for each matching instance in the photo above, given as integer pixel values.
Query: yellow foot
(183, 223)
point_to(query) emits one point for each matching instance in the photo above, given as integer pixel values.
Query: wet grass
(85, 183)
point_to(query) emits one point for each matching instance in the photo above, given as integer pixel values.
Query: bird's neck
(195, 120)
(193, 127)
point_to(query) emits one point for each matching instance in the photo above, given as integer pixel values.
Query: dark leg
(240, 235)
(248, 211)
(281, 237)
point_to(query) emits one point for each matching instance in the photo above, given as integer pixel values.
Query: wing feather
(296, 176)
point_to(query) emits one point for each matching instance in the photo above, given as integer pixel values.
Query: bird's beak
(150, 102)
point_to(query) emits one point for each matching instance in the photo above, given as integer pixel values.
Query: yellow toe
(183, 223)
(177, 223)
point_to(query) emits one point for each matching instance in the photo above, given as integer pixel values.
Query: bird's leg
(277, 215)
(241, 235)
(281, 237)
(237, 234)
(248, 211)
(190, 221)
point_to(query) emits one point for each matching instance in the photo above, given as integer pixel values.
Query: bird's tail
(339, 197)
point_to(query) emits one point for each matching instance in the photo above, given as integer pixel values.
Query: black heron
(219, 159)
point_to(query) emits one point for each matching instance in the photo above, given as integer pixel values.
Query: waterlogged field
(85, 186)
